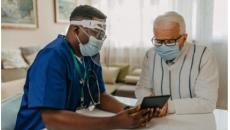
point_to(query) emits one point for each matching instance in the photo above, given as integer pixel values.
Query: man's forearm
(66, 120)
(109, 103)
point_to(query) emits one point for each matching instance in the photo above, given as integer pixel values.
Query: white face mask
(92, 47)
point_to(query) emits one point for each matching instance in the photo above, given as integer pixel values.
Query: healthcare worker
(186, 71)
(66, 76)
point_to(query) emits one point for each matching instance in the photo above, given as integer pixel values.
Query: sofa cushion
(9, 110)
(12, 58)
(130, 79)
(29, 53)
(110, 74)
(30, 58)
(136, 72)
(12, 88)
(29, 50)
(124, 70)
(13, 74)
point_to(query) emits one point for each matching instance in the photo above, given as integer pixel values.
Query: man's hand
(164, 110)
(157, 112)
(131, 118)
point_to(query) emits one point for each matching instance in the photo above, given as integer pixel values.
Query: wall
(220, 48)
(47, 30)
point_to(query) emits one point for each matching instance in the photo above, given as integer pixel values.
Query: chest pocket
(73, 92)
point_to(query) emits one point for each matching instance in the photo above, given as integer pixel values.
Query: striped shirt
(191, 79)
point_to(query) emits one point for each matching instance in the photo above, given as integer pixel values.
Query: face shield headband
(92, 24)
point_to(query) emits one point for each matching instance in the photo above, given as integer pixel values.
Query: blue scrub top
(52, 82)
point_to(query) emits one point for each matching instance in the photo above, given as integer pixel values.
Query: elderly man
(188, 72)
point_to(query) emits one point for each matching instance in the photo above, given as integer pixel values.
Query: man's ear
(76, 29)
(185, 37)
(183, 40)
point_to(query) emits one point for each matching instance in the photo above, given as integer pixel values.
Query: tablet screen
(154, 101)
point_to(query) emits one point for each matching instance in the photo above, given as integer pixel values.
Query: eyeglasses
(98, 34)
(167, 42)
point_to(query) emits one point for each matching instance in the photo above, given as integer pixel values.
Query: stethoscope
(93, 102)
(89, 75)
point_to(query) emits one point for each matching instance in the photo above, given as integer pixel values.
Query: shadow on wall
(220, 50)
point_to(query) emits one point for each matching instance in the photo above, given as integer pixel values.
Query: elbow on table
(208, 106)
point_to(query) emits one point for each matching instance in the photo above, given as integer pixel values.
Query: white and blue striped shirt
(192, 80)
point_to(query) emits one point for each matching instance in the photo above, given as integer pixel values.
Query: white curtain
(130, 25)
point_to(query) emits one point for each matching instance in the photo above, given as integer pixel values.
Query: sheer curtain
(130, 25)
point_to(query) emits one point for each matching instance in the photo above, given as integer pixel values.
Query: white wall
(46, 32)
(220, 51)
(220, 48)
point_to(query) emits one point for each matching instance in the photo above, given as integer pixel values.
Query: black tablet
(154, 101)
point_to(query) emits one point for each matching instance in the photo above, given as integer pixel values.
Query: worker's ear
(76, 30)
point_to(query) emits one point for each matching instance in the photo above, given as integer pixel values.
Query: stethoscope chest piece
(82, 82)
(91, 108)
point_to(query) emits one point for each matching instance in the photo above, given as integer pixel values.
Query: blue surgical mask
(92, 47)
(167, 52)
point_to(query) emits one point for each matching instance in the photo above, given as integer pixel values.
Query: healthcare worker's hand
(131, 118)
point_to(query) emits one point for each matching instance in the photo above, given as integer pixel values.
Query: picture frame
(63, 9)
(21, 14)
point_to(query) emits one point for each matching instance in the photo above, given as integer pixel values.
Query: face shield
(97, 26)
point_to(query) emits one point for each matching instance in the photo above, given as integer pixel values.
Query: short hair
(86, 11)
(171, 17)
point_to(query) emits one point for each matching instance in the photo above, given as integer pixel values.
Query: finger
(157, 112)
(143, 125)
(139, 122)
(142, 122)
(166, 111)
(149, 112)
(138, 107)
(163, 112)
(167, 107)
(145, 112)
(152, 112)
(133, 110)
(140, 114)
(137, 115)
(148, 117)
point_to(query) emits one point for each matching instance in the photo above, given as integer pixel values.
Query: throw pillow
(124, 70)
(136, 72)
(110, 74)
(12, 58)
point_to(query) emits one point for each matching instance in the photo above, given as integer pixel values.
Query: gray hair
(171, 17)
